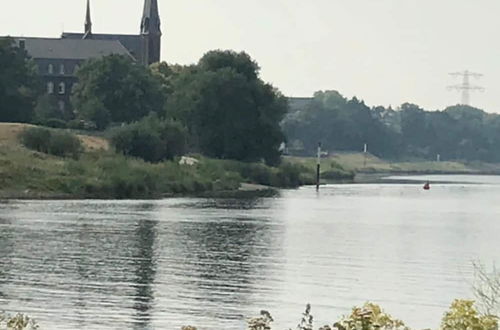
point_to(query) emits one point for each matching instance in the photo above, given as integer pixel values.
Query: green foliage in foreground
(464, 316)
(52, 142)
(461, 316)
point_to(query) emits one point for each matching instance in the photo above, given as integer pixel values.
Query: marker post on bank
(365, 152)
(318, 166)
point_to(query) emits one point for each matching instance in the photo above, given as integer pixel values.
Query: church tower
(151, 32)
(88, 23)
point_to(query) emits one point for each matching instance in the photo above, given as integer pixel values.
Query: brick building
(58, 59)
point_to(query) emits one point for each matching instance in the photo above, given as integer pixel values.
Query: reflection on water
(212, 263)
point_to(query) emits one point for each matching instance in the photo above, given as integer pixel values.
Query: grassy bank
(372, 164)
(331, 169)
(104, 174)
(101, 173)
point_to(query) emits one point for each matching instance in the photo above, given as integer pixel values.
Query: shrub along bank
(31, 174)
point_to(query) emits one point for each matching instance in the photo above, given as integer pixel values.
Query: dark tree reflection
(224, 255)
(145, 270)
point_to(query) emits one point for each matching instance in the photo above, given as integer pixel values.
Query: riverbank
(371, 164)
(100, 173)
(26, 174)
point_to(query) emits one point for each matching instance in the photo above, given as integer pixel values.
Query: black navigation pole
(318, 166)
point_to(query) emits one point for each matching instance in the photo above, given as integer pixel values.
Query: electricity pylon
(466, 87)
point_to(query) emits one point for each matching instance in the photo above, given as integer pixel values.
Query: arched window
(77, 67)
(61, 69)
(50, 69)
(50, 87)
(62, 88)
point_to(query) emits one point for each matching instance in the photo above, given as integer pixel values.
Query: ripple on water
(163, 264)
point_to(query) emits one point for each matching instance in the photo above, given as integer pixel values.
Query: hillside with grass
(361, 163)
(9, 135)
(97, 171)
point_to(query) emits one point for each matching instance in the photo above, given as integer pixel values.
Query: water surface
(212, 263)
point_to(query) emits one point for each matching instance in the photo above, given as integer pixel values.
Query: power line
(466, 87)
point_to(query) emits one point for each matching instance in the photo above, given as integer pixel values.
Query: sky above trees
(386, 52)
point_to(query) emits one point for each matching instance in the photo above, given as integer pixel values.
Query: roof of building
(132, 42)
(75, 49)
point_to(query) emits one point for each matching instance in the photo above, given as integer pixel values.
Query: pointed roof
(150, 23)
(88, 23)
(74, 49)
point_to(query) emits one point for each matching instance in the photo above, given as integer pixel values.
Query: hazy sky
(384, 51)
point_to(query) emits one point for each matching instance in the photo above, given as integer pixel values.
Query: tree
(487, 289)
(151, 139)
(230, 112)
(19, 83)
(241, 63)
(95, 111)
(47, 108)
(464, 316)
(340, 124)
(127, 90)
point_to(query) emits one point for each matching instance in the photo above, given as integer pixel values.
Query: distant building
(58, 59)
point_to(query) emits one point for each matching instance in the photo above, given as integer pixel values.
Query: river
(213, 263)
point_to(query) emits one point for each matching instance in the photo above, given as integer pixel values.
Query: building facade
(58, 59)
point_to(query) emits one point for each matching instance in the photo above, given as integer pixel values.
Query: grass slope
(101, 173)
(356, 162)
(9, 133)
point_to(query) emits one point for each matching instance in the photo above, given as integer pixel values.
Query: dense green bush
(55, 123)
(56, 143)
(287, 175)
(37, 139)
(65, 145)
(151, 139)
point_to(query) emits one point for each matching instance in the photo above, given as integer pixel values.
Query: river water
(213, 263)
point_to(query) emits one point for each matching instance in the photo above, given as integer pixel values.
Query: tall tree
(125, 90)
(229, 110)
(19, 83)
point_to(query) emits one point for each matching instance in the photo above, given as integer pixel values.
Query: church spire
(150, 23)
(88, 23)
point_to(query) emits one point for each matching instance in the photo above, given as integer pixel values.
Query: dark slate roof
(132, 42)
(72, 48)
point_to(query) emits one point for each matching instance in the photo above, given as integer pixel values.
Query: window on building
(50, 69)
(61, 69)
(62, 88)
(62, 106)
(50, 87)
(77, 67)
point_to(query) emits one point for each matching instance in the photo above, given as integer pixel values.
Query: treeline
(455, 133)
(218, 107)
